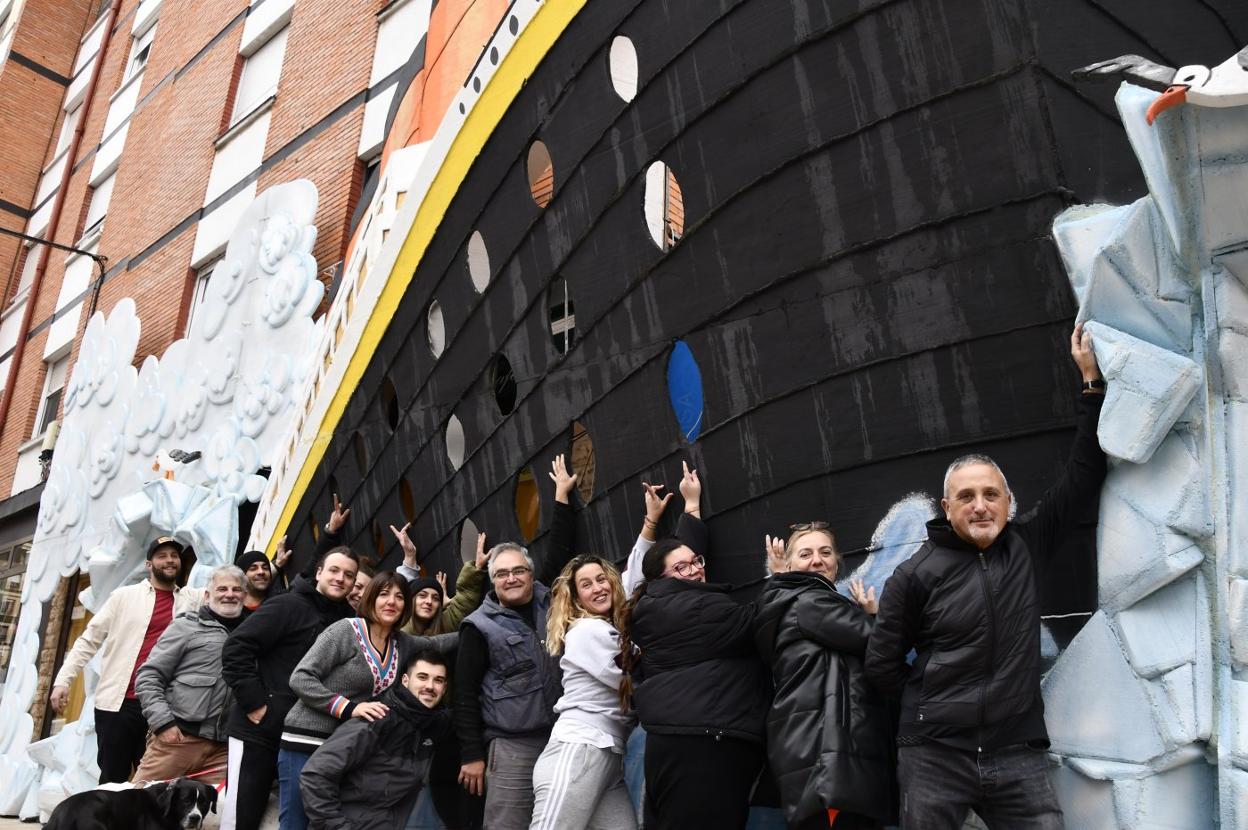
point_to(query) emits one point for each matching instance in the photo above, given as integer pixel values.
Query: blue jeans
(290, 814)
(1009, 788)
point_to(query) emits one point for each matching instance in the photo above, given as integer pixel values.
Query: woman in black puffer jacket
(829, 732)
(701, 691)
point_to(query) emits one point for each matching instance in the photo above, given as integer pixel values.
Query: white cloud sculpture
(228, 390)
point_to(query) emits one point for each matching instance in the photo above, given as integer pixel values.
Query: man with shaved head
(972, 733)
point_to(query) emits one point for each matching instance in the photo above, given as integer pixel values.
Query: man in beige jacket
(124, 632)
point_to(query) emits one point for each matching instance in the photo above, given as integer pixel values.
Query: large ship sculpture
(808, 248)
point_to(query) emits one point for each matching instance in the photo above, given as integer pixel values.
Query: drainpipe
(54, 220)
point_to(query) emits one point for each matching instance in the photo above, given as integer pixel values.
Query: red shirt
(162, 615)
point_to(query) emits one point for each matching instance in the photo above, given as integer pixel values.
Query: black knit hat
(249, 558)
(163, 542)
(417, 585)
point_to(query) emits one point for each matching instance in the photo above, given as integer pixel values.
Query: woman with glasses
(829, 733)
(578, 780)
(701, 691)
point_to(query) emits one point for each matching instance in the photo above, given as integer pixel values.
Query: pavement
(14, 824)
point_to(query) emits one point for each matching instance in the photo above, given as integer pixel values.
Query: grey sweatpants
(580, 787)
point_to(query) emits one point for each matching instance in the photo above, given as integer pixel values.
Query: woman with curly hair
(578, 780)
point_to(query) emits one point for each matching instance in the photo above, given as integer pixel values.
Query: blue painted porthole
(684, 389)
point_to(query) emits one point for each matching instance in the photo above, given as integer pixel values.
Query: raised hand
(777, 556)
(482, 558)
(338, 517)
(281, 556)
(1084, 356)
(655, 505)
(564, 481)
(441, 578)
(691, 489)
(865, 597)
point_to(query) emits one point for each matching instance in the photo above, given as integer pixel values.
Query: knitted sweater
(341, 670)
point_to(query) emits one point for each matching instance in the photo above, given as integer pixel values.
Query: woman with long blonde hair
(578, 780)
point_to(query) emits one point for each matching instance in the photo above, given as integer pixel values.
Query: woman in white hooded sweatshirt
(578, 780)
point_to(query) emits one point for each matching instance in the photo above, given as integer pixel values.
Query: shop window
(664, 206)
(562, 316)
(437, 329)
(503, 382)
(455, 442)
(528, 505)
(684, 390)
(541, 174)
(583, 461)
(13, 561)
(622, 60)
(478, 262)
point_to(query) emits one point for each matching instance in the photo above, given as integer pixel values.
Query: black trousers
(120, 739)
(699, 781)
(249, 789)
(458, 809)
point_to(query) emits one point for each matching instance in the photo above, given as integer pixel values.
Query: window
(50, 402)
(684, 390)
(562, 317)
(665, 207)
(478, 262)
(528, 505)
(101, 195)
(140, 51)
(455, 443)
(583, 461)
(541, 174)
(68, 125)
(200, 291)
(436, 329)
(12, 574)
(28, 270)
(258, 81)
(622, 61)
(503, 382)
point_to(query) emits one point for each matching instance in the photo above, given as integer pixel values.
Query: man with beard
(264, 578)
(256, 661)
(185, 699)
(124, 632)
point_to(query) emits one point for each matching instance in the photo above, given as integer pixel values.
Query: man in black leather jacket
(972, 733)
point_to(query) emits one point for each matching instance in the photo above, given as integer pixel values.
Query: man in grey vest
(506, 684)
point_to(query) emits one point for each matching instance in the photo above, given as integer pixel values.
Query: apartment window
(28, 271)
(258, 81)
(68, 125)
(50, 402)
(140, 50)
(13, 561)
(200, 291)
(101, 195)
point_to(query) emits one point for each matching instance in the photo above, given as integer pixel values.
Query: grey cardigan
(342, 670)
(181, 681)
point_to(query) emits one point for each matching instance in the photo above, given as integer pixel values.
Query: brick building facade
(138, 131)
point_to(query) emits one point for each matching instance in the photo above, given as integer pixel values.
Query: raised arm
(562, 526)
(655, 505)
(469, 590)
(330, 537)
(690, 529)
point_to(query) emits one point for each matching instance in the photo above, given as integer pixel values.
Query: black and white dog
(180, 805)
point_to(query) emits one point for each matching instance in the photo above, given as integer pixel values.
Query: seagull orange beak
(1172, 97)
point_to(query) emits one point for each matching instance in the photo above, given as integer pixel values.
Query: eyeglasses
(518, 572)
(800, 526)
(687, 567)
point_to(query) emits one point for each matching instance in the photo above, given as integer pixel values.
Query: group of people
(513, 701)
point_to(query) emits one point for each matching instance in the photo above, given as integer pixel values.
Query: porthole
(361, 453)
(664, 206)
(541, 174)
(455, 442)
(503, 382)
(478, 262)
(468, 541)
(583, 461)
(407, 500)
(314, 527)
(528, 505)
(622, 60)
(562, 316)
(390, 402)
(437, 329)
(684, 390)
(513, 24)
(379, 541)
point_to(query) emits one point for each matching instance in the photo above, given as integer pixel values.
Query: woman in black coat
(829, 733)
(700, 689)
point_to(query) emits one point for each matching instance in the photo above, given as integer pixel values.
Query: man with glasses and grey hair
(185, 699)
(506, 684)
(972, 733)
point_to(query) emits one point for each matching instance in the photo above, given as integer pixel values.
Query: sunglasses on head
(800, 526)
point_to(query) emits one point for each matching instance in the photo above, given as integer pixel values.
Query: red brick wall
(169, 151)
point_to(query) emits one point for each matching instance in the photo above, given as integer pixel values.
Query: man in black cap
(124, 631)
(264, 578)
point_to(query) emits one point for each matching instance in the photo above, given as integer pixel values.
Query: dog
(178, 805)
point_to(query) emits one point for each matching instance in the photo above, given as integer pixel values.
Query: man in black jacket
(256, 662)
(972, 734)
